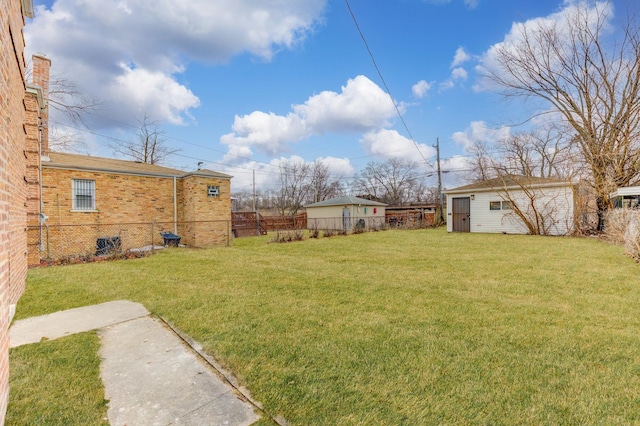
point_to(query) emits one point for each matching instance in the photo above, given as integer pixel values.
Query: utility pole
(254, 190)
(437, 146)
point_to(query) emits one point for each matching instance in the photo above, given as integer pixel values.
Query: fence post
(153, 246)
(47, 228)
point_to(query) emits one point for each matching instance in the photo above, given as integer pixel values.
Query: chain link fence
(354, 224)
(49, 244)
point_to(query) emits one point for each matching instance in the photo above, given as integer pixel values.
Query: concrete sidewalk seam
(240, 392)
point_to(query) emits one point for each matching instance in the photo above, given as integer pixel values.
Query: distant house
(627, 197)
(345, 213)
(512, 205)
(81, 190)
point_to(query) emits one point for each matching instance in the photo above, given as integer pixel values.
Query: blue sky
(243, 84)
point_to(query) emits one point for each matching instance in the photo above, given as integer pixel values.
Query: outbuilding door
(461, 214)
(346, 219)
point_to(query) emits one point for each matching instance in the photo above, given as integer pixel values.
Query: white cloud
(361, 106)
(455, 171)
(461, 56)
(446, 85)
(88, 41)
(458, 74)
(338, 167)
(153, 93)
(471, 4)
(267, 132)
(391, 144)
(421, 88)
(478, 131)
(455, 163)
(559, 21)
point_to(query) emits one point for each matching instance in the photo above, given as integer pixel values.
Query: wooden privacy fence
(252, 224)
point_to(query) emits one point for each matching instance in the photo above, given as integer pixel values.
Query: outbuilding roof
(344, 201)
(59, 160)
(626, 190)
(510, 182)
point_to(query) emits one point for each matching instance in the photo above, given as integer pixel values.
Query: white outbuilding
(345, 213)
(512, 205)
(626, 197)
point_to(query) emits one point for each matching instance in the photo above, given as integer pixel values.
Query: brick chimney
(41, 67)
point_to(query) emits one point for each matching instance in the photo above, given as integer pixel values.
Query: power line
(384, 83)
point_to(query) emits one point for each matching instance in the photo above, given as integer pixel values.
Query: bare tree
(542, 209)
(294, 186)
(392, 181)
(480, 162)
(149, 146)
(523, 169)
(64, 97)
(592, 80)
(322, 185)
(546, 153)
(67, 98)
(423, 194)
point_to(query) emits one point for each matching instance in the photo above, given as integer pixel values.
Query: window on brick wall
(213, 191)
(84, 194)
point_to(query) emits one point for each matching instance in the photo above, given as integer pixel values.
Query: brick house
(77, 201)
(86, 198)
(20, 108)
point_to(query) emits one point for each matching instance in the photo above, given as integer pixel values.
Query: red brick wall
(13, 261)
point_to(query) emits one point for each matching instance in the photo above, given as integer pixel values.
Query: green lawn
(57, 383)
(396, 327)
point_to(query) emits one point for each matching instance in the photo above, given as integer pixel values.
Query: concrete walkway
(151, 377)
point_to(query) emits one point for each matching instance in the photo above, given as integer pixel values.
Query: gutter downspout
(175, 207)
(40, 201)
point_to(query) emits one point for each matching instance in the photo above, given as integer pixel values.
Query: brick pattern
(120, 198)
(130, 199)
(197, 206)
(13, 189)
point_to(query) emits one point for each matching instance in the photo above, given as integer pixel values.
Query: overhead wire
(384, 83)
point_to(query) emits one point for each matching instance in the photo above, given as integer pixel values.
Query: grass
(414, 327)
(57, 383)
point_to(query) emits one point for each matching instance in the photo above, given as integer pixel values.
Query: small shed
(345, 213)
(510, 205)
(626, 197)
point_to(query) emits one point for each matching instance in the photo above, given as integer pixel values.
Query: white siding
(555, 204)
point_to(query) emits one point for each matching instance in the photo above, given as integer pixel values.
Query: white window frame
(88, 186)
(213, 191)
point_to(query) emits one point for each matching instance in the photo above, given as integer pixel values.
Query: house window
(507, 205)
(213, 191)
(494, 205)
(84, 194)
